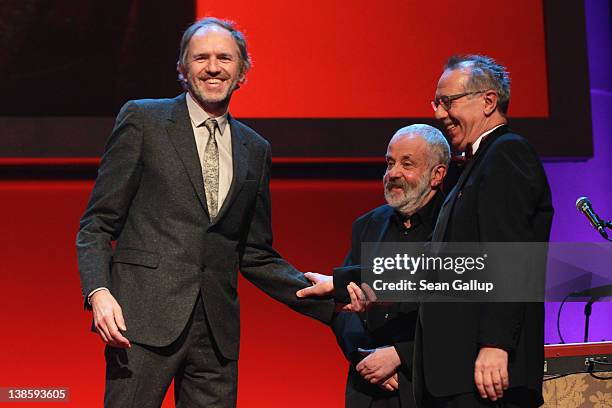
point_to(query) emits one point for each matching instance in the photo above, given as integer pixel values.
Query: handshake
(355, 299)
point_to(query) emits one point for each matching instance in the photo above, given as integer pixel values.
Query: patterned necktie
(211, 168)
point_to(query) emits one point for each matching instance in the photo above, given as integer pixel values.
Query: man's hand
(322, 285)
(361, 298)
(491, 372)
(379, 365)
(108, 319)
(392, 384)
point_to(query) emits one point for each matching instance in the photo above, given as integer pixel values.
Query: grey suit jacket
(149, 198)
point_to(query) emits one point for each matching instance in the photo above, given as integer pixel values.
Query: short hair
(438, 145)
(485, 73)
(245, 58)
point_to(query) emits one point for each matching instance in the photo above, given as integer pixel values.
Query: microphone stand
(587, 316)
(605, 224)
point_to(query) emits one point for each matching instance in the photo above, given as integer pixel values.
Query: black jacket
(502, 196)
(392, 325)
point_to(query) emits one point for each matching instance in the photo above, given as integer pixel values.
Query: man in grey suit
(183, 190)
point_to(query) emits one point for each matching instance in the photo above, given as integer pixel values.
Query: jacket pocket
(136, 257)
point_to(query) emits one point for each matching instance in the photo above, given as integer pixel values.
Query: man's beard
(411, 198)
(214, 99)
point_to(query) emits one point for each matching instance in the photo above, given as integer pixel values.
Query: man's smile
(213, 82)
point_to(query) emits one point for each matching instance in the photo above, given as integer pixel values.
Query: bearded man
(183, 190)
(417, 160)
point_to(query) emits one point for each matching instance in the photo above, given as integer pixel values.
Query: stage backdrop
(329, 79)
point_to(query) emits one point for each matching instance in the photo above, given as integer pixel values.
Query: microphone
(596, 292)
(584, 206)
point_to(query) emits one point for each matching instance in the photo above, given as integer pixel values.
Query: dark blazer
(353, 330)
(502, 196)
(149, 198)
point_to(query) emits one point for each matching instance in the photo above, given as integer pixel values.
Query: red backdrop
(361, 58)
(286, 359)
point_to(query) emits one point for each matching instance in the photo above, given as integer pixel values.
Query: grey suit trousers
(140, 376)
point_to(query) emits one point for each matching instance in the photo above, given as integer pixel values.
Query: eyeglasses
(447, 100)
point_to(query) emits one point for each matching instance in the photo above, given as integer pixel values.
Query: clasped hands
(380, 368)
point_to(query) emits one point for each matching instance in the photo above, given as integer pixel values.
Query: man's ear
(242, 77)
(490, 102)
(180, 68)
(438, 172)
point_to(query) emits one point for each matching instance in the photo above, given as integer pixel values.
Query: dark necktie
(464, 159)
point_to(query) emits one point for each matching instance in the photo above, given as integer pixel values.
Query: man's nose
(440, 113)
(213, 66)
(392, 173)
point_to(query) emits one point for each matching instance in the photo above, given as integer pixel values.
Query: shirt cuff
(94, 291)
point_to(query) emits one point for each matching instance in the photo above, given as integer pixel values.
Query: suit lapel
(385, 220)
(376, 316)
(182, 138)
(442, 221)
(240, 165)
(447, 208)
(378, 229)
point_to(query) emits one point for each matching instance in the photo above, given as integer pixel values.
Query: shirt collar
(198, 115)
(428, 214)
(476, 144)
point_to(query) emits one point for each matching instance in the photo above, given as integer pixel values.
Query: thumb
(305, 292)
(119, 319)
